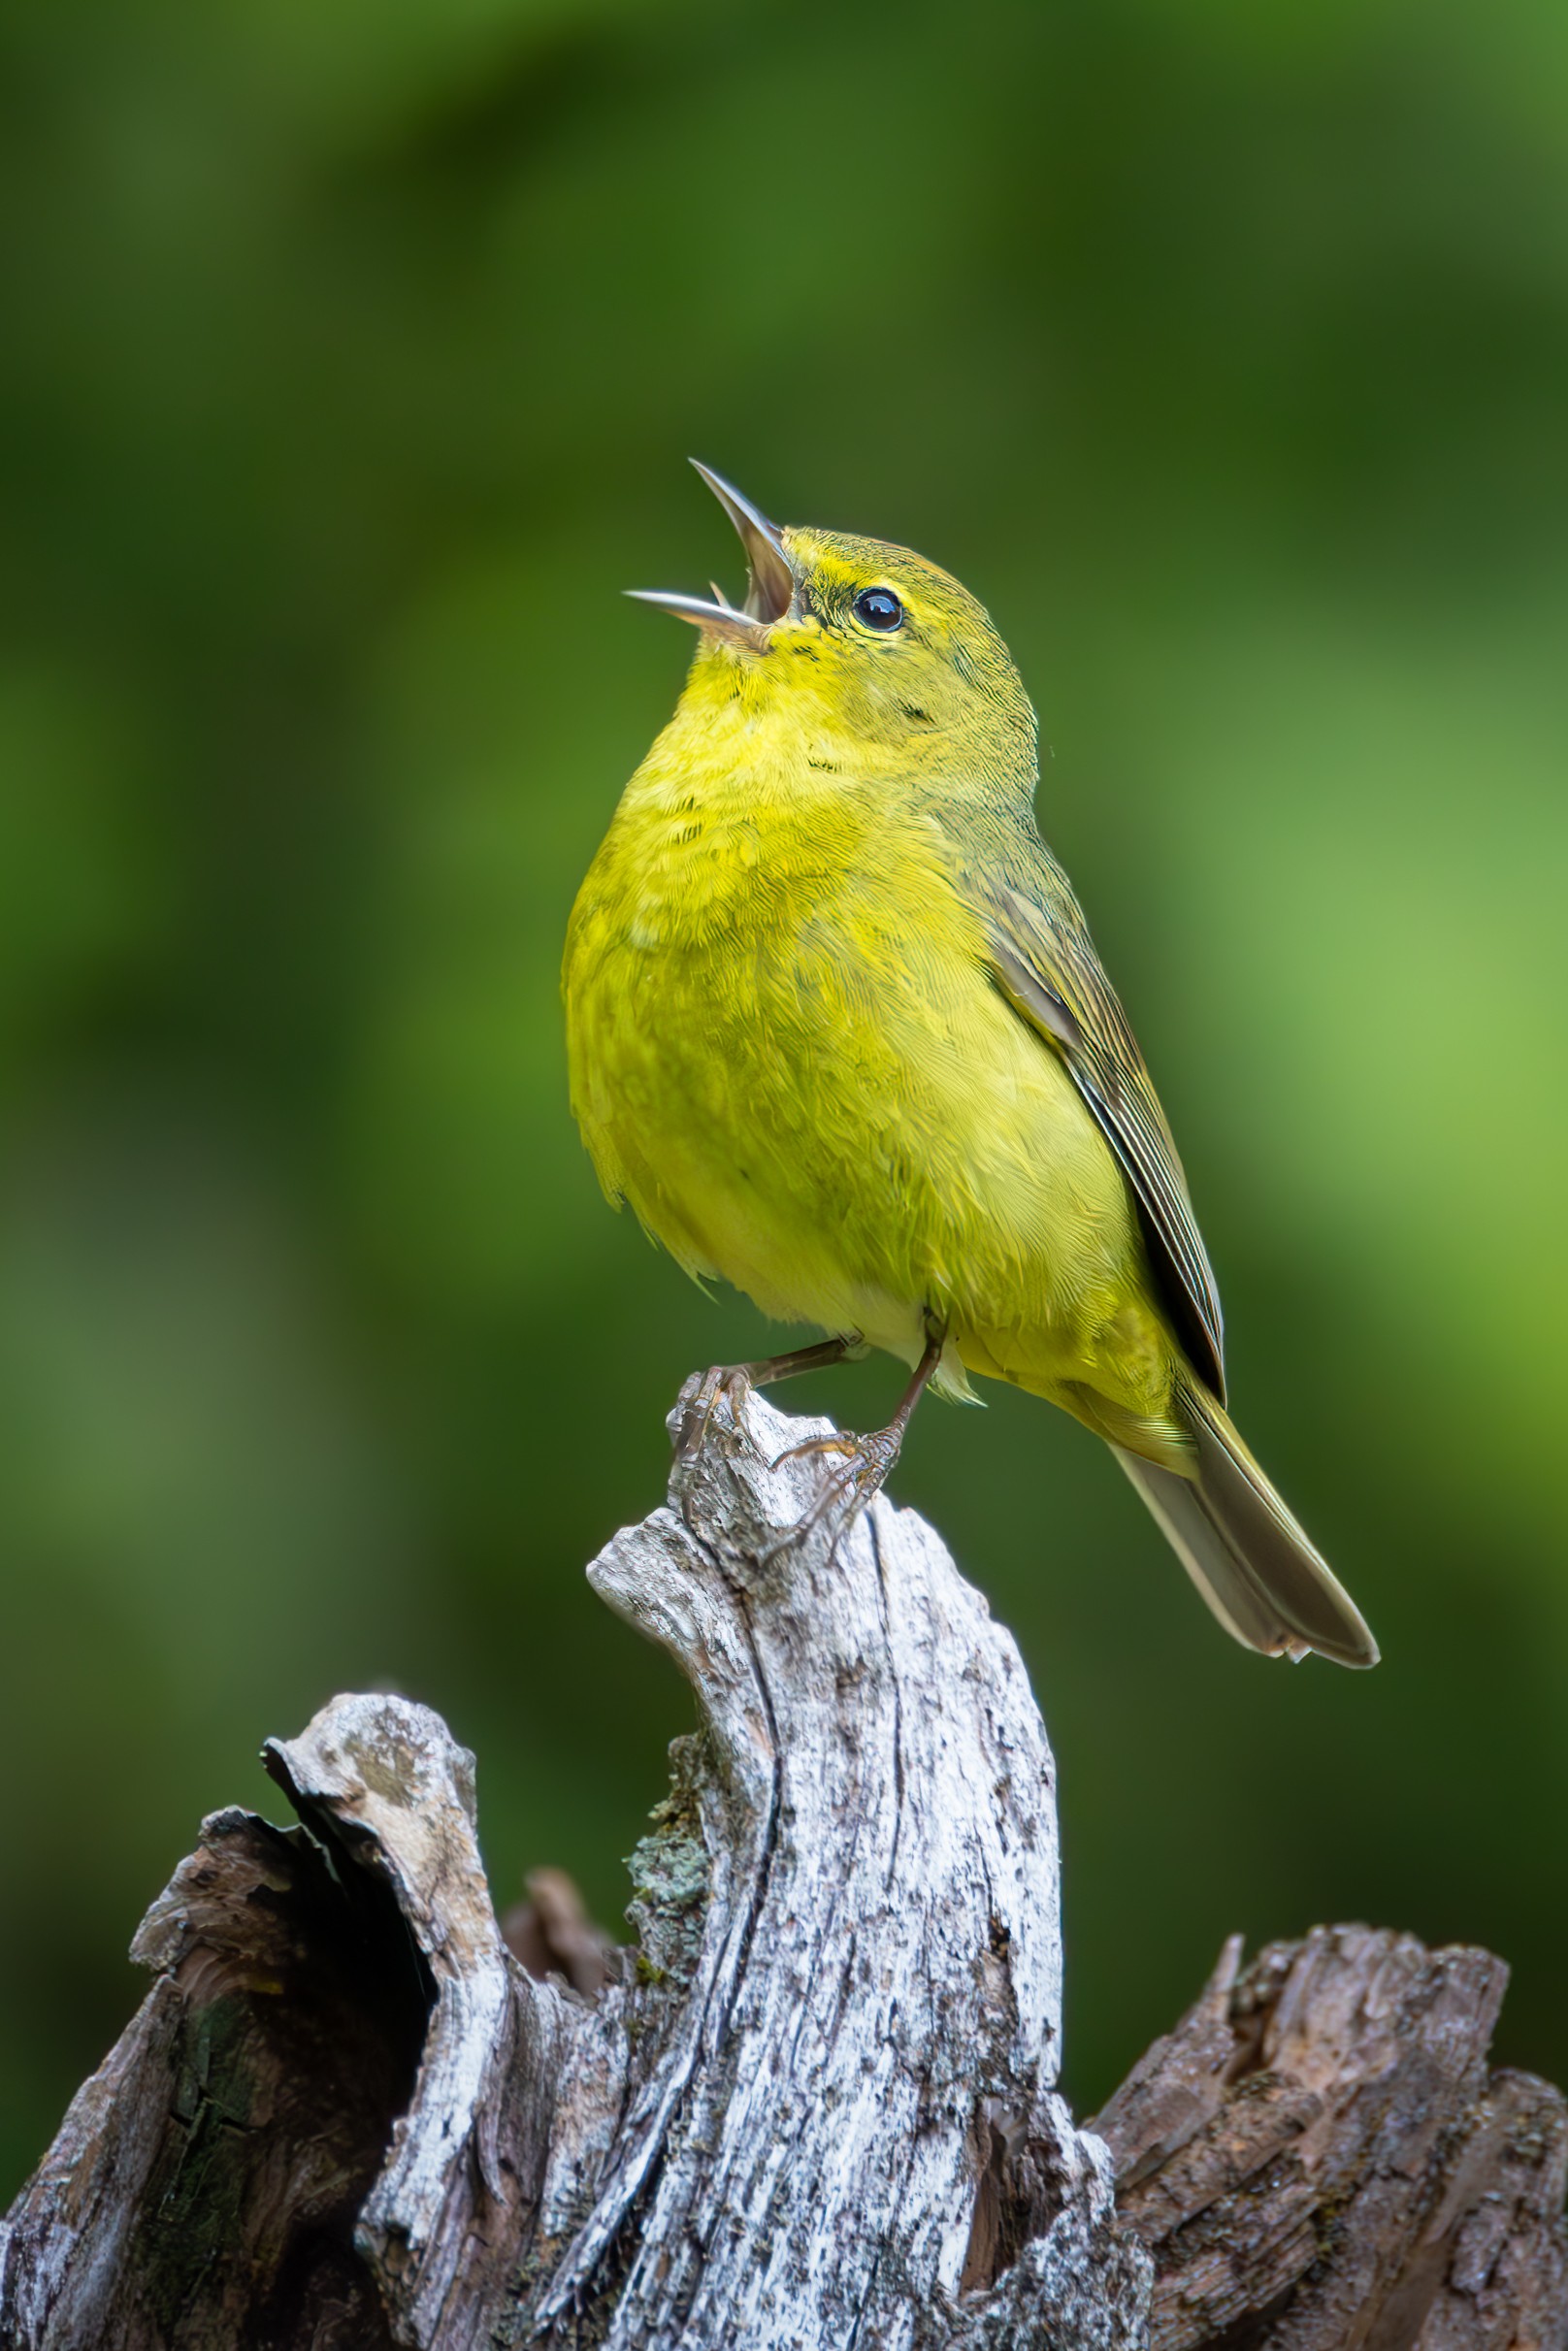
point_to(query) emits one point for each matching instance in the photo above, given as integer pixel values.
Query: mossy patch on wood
(669, 1873)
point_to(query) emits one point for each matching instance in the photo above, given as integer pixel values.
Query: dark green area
(197, 2199)
(351, 355)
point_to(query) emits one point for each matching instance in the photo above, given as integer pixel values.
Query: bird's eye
(878, 608)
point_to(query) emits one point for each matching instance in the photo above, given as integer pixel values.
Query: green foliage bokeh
(352, 356)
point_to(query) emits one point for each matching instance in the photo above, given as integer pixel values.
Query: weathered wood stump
(813, 2108)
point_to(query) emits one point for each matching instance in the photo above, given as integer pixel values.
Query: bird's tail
(1245, 1553)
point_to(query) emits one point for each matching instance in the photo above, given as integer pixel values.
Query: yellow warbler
(838, 1032)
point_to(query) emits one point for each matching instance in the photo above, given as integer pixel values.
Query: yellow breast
(785, 1052)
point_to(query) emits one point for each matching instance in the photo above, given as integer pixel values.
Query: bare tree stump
(813, 2109)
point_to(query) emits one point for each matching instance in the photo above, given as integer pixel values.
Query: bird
(838, 1033)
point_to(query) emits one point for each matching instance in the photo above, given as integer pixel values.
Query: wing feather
(1044, 963)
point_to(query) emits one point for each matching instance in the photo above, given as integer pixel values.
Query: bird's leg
(734, 1382)
(868, 1459)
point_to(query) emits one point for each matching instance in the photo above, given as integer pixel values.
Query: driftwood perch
(813, 2108)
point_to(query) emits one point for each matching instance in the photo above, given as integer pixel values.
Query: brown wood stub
(207, 2181)
(1317, 2159)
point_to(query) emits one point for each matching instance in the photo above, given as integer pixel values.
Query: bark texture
(813, 2108)
(1317, 2157)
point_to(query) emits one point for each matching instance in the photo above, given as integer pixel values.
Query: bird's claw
(866, 1468)
(731, 1381)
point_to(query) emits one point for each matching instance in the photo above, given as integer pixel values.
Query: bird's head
(860, 640)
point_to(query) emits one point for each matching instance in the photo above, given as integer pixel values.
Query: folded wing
(1043, 961)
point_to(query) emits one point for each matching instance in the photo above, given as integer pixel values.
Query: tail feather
(1248, 1557)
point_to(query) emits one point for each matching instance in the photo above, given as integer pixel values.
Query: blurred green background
(352, 356)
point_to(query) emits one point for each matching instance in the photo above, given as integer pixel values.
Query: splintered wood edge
(1319, 2139)
(383, 1778)
(149, 2198)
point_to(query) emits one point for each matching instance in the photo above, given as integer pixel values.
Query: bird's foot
(699, 1401)
(734, 1382)
(865, 1465)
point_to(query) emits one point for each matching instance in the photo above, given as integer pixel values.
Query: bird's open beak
(770, 590)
